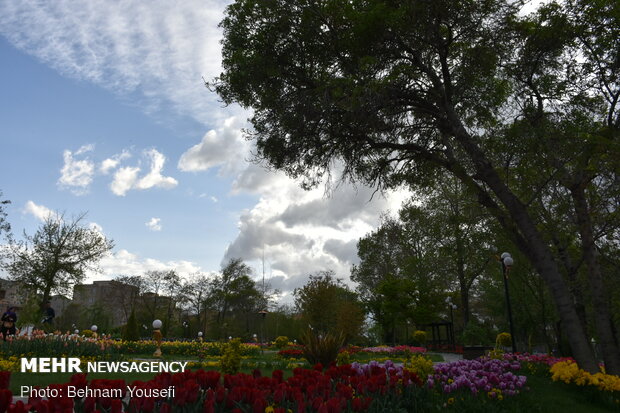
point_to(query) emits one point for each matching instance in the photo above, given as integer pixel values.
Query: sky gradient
(104, 111)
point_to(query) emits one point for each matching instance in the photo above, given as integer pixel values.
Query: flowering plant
(336, 389)
(481, 375)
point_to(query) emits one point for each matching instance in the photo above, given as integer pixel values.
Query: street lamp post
(263, 314)
(507, 261)
(157, 336)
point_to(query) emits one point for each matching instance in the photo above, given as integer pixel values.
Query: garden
(320, 376)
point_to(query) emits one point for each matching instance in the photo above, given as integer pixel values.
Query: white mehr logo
(51, 365)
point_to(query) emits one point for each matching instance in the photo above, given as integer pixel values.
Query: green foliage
(321, 348)
(4, 223)
(234, 300)
(503, 340)
(343, 358)
(57, 256)
(57, 345)
(230, 363)
(280, 342)
(420, 365)
(476, 334)
(30, 314)
(328, 306)
(397, 92)
(131, 330)
(407, 263)
(419, 336)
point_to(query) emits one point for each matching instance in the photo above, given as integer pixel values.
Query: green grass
(560, 397)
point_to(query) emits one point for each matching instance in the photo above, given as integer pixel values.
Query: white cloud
(224, 147)
(159, 51)
(40, 212)
(85, 149)
(124, 179)
(159, 48)
(154, 224)
(107, 165)
(302, 232)
(124, 262)
(77, 175)
(96, 227)
(127, 178)
(154, 178)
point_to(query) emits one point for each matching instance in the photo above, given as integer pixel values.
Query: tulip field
(271, 380)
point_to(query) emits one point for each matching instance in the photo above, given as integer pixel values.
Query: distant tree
(194, 293)
(161, 295)
(131, 331)
(127, 290)
(283, 320)
(4, 223)
(327, 305)
(235, 298)
(57, 256)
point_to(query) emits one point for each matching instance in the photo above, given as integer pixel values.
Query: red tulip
(5, 399)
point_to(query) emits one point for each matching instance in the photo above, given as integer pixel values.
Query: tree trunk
(464, 287)
(46, 296)
(575, 288)
(465, 304)
(602, 317)
(535, 247)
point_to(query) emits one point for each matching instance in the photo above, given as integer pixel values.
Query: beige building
(115, 299)
(10, 295)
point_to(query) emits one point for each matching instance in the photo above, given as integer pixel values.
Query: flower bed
(40, 344)
(291, 353)
(337, 389)
(397, 350)
(192, 349)
(568, 372)
(483, 375)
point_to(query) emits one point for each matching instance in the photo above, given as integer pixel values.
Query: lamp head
(157, 324)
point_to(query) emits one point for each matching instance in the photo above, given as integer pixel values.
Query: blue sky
(103, 111)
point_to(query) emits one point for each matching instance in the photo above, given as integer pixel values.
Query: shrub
(343, 358)
(503, 340)
(230, 363)
(281, 342)
(419, 336)
(420, 365)
(130, 331)
(321, 349)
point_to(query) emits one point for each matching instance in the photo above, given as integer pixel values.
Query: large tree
(508, 104)
(57, 256)
(441, 241)
(235, 299)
